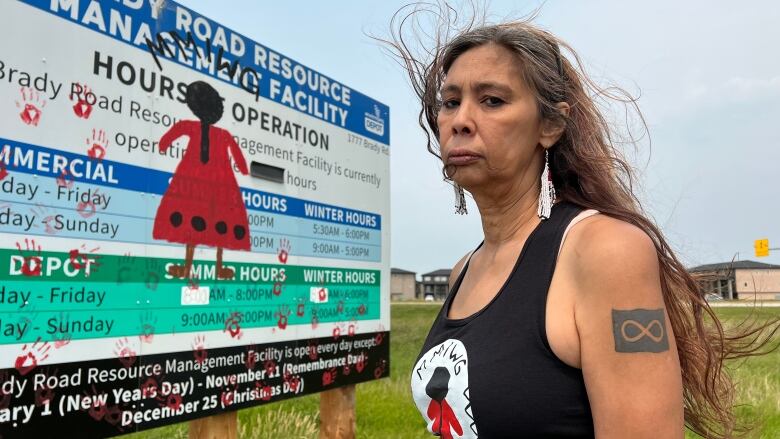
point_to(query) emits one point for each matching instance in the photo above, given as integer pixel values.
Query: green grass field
(385, 408)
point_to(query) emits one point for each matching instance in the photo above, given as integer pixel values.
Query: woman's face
(489, 124)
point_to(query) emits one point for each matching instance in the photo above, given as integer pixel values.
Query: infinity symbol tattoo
(643, 331)
(639, 330)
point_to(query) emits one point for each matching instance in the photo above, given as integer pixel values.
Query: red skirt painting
(203, 203)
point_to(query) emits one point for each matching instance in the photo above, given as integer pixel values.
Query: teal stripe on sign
(103, 297)
(51, 326)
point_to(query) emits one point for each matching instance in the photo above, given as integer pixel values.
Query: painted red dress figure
(444, 419)
(203, 203)
(439, 410)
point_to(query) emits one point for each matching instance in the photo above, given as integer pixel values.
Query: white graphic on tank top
(440, 386)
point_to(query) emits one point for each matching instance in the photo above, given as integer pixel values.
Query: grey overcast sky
(709, 75)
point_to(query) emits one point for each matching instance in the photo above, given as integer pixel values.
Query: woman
(573, 318)
(203, 203)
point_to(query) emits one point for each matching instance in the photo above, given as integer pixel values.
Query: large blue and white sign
(123, 306)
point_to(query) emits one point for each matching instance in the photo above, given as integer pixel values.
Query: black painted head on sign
(205, 102)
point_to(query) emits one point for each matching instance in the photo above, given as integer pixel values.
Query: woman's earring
(547, 194)
(460, 199)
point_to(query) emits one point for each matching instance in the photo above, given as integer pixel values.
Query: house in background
(436, 284)
(403, 285)
(742, 280)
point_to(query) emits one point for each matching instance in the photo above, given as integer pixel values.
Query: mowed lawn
(385, 408)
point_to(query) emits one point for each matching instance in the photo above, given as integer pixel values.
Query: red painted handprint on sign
(28, 360)
(62, 339)
(251, 357)
(65, 179)
(87, 208)
(123, 351)
(292, 380)
(284, 250)
(31, 257)
(149, 388)
(81, 94)
(172, 401)
(270, 368)
(264, 390)
(281, 315)
(336, 332)
(199, 349)
(361, 363)
(44, 394)
(96, 147)
(148, 320)
(229, 396)
(47, 214)
(79, 259)
(277, 290)
(97, 403)
(329, 376)
(31, 106)
(233, 324)
(380, 369)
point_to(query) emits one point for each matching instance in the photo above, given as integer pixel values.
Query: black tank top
(493, 374)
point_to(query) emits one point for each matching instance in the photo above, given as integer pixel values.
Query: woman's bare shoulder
(600, 244)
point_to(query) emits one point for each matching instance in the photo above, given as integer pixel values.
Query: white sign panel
(191, 221)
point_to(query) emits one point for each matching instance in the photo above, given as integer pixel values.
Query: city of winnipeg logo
(374, 122)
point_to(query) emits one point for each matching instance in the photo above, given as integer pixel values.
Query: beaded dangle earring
(547, 194)
(460, 199)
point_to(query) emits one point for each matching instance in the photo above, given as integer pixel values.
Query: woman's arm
(177, 130)
(238, 156)
(628, 352)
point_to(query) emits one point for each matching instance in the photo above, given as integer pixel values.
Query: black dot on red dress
(176, 219)
(239, 231)
(198, 223)
(221, 227)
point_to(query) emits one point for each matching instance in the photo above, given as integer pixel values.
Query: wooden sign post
(221, 426)
(337, 418)
(337, 413)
